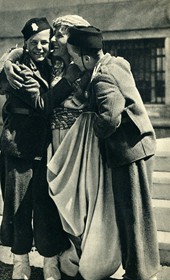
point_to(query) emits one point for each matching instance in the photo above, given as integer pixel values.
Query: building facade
(137, 30)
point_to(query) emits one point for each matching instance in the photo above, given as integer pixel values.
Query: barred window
(147, 60)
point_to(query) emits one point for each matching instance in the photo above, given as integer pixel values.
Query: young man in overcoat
(127, 144)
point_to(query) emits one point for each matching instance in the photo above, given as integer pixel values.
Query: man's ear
(87, 58)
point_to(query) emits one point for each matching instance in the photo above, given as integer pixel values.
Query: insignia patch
(34, 26)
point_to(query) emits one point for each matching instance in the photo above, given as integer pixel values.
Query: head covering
(35, 25)
(70, 20)
(88, 37)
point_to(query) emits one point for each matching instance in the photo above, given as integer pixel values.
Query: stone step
(162, 163)
(162, 158)
(164, 240)
(161, 177)
(161, 185)
(163, 146)
(162, 214)
(164, 247)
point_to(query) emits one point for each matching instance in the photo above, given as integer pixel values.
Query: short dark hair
(86, 38)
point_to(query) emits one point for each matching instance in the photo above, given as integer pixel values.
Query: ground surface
(36, 262)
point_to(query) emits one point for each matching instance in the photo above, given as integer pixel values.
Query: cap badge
(34, 26)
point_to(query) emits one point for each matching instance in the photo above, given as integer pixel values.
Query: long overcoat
(128, 141)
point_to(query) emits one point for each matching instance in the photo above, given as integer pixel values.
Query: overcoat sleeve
(110, 105)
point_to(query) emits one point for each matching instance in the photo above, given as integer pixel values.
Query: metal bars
(147, 60)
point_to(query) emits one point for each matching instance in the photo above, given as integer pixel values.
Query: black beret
(35, 25)
(88, 37)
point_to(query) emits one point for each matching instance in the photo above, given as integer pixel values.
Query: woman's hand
(12, 72)
(72, 73)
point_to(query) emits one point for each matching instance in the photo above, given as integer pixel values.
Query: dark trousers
(138, 237)
(30, 215)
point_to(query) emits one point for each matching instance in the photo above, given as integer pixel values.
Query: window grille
(147, 60)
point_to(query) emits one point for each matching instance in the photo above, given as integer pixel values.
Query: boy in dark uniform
(25, 137)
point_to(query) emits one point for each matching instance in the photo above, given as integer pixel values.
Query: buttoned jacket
(26, 130)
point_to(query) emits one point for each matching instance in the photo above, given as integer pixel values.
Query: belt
(22, 111)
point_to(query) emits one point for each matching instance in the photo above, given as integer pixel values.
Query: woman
(64, 116)
(91, 245)
(80, 185)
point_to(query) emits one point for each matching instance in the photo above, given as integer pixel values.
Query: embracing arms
(30, 91)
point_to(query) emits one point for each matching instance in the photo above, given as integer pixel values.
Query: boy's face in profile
(38, 45)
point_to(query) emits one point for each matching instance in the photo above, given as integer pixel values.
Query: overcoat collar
(104, 60)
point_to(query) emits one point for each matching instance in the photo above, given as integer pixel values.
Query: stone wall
(39, 4)
(111, 16)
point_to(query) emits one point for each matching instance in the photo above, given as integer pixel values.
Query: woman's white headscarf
(70, 20)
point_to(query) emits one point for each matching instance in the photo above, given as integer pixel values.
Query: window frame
(158, 113)
(147, 60)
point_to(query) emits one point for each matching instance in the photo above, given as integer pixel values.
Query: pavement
(36, 262)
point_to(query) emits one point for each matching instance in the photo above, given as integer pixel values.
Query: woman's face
(59, 41)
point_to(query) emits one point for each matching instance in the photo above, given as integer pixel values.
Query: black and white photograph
(85, 140)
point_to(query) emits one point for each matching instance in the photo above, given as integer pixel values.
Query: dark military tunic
(25, 137)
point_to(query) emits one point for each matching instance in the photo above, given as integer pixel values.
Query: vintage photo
(85, 140)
